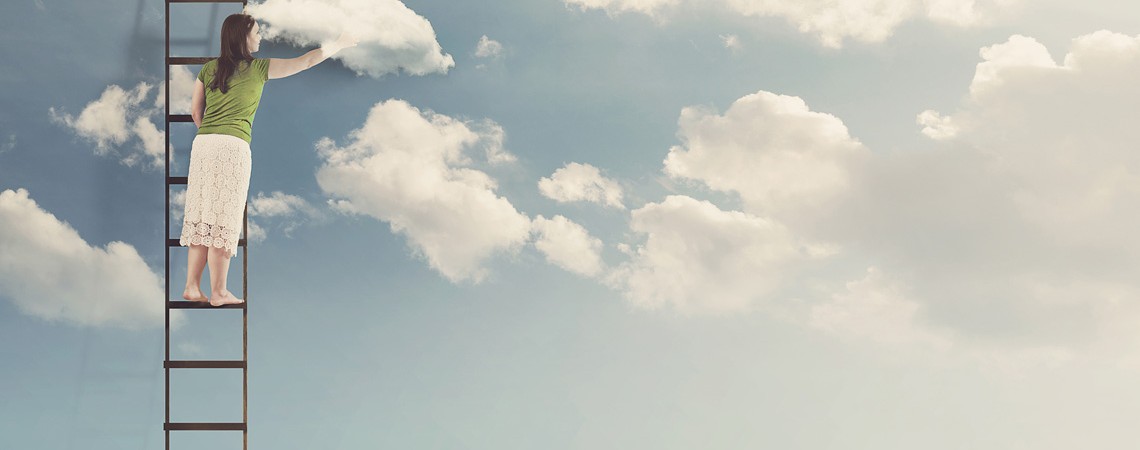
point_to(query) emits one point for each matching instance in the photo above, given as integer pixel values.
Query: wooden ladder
(169, 364)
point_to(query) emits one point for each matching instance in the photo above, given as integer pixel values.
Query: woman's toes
(194, 296)
(225, 299)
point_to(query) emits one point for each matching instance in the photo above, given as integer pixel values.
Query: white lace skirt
(216, 191)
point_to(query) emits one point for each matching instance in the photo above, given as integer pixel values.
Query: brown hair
(235, 49)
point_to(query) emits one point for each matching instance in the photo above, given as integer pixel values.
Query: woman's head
(240, 38)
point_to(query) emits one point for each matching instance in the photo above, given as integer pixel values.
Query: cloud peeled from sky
(409, 168)
(831, 22)
(581, 182)
(391, 36)
(48, 271)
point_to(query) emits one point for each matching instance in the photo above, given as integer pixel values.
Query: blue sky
(592, 224)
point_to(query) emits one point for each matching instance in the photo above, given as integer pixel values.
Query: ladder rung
(178, 180)
(188, 41)
(202, 364)
(188, 60)
(184, 304)
(174, 242)
(204, 426)
(181, 118)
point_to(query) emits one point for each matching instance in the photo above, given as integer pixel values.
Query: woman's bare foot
(224, 298)
(194, 295)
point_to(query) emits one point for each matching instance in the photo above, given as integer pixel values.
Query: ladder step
(181, 118)
(174, 242)
(201, 364)
(177, 180)
(188, 60)
(204, 426)
(184, 304)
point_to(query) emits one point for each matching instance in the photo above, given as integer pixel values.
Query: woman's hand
(345, 40)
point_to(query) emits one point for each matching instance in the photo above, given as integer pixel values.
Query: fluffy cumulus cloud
(1007, 239)
(568, 245)
(581, 182)
(771, 149)
(116, 118)
(392, 37)
(831, 21)
(697, 258)
(181, 90)
(411, 169)
(48, 271)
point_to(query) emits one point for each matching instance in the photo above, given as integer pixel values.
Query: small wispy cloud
(731, 42)
(10, 144)
(488, 48)
(581, 182)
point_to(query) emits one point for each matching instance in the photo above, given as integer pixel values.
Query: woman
(225, 100)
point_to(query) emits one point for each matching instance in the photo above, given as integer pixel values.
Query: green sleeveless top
(232, 113)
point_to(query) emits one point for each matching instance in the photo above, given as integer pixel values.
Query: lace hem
(216, 236)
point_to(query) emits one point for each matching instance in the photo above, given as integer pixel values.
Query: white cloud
(391, 36)
(48, 271)
(568, 245)
(581, 182)
(698, 258)
(831, 21)
(649, 7)
(491, 137)
(278, 204)
(731, 42)
(1009, 241)
(771, 149)
(406, 167)
(285, 211)
(875, 309)
(11, 144)
(879, 311)
(116, 118)
(288, 211)
(1062, 135)
(488, 48)
(936, 126)
(182, 90)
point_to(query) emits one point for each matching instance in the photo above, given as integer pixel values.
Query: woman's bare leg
(195, 262)
(219, 267)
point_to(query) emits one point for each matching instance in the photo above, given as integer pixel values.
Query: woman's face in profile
(254, 38)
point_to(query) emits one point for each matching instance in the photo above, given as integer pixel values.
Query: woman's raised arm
(283, 67)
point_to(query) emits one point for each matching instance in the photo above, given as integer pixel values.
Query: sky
(589, 224)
